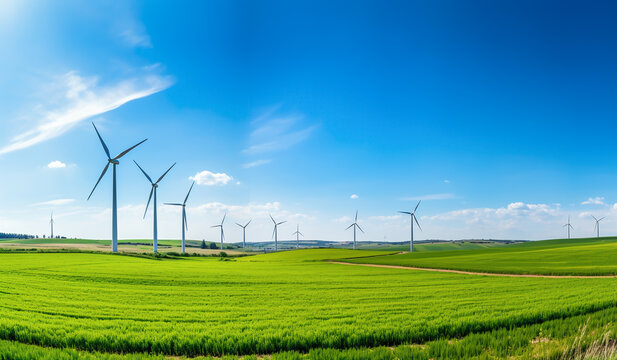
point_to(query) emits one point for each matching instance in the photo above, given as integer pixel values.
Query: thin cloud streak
(57, 202)
(84, 100)
(256, 163)
(274, 132)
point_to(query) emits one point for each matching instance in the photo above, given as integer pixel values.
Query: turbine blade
(300, 233)
(360, 228)
(129, 149)
(414, 210)
(222, 233)
(186, 223)
(175, 204)
(594, 218)
(356, 218)
(239, 225)
(273, 232)
(282, 222)
(102, 142)
(417, 223)
(272, 219)
(602, 218)
(350, 226)
(162, 176)
(143, 171)
(224, 216)
(148, 204)
(405, 212)
(213, 226)
(189, 193)
(247, 224)
(99, 180)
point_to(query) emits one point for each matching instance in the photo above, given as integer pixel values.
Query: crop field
(131, 246)
(287, 304)
(551, 257)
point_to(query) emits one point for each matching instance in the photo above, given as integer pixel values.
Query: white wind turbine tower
(114, 205)
(298, 233)
(412, 214)
(51, 222)
(244, 233)
(185, 225)
(355, 225)
(597, 227)
(275, 233)
(568, 226)
(222, 232)
(155, 185)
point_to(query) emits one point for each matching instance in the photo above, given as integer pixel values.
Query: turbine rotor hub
(115, 162)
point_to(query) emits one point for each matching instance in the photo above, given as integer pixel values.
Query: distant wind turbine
(114, 205)
(51, 222)
(298, 233)
(412, 214)
(597, 227)
(222, 232)
(275, 233)
(155, 185)
(244, 233)
(185, 225)
(568, 226)
(355, 225)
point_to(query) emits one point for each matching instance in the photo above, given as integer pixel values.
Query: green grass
(265, 304)
(434, 246)
(551, 257)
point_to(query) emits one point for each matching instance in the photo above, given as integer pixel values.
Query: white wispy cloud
(134, 34)
(209, 178)
(256, 163)
(275, 132)
(443, 196)
(57, 164)
(385, 217)
(83, 98)
(56, 202)
(598, 200)
(354, 196)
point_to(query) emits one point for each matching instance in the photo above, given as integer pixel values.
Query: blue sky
(499, 115)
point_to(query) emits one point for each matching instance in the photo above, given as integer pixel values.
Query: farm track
(462, 272)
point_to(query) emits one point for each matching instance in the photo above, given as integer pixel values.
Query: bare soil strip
(480, 273)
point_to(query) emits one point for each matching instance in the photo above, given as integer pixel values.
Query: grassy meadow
(289, 305)
(593, 256)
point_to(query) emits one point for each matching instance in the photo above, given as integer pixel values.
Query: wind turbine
(51, 222)
(568, 226)
(355, 225)
(222, 232)
(275, 233)
(185, 225)
(298, 233)
(155, 185)
(114, 205)
(412, 214)
(597, 227)
(244, 233)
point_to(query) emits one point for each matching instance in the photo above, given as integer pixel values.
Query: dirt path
(480, 273)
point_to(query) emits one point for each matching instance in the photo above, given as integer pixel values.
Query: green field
(286, 304)
(551, 257)
(434, 246)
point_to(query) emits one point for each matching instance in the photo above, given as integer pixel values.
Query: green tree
(203, 244)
